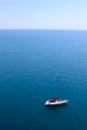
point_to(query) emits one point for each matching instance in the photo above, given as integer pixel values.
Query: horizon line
(48, 29)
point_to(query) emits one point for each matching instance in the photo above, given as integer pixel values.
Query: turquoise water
(30, 61)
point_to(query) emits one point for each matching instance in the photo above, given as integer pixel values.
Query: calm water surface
(30, 61)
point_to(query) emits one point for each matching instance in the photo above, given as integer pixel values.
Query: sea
(31, 64)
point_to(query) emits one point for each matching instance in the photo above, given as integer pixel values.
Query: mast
(60, 92)
(58, 87)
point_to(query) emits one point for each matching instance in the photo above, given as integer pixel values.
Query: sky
(43, 14)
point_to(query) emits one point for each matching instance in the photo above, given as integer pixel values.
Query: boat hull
(56, 103)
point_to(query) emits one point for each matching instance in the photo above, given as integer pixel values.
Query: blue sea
(30, 62)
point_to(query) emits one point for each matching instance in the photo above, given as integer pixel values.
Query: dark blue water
(30, 61)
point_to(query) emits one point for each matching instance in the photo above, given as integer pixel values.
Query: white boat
(56, 101)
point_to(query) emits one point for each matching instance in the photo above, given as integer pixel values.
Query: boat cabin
(53, 100)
